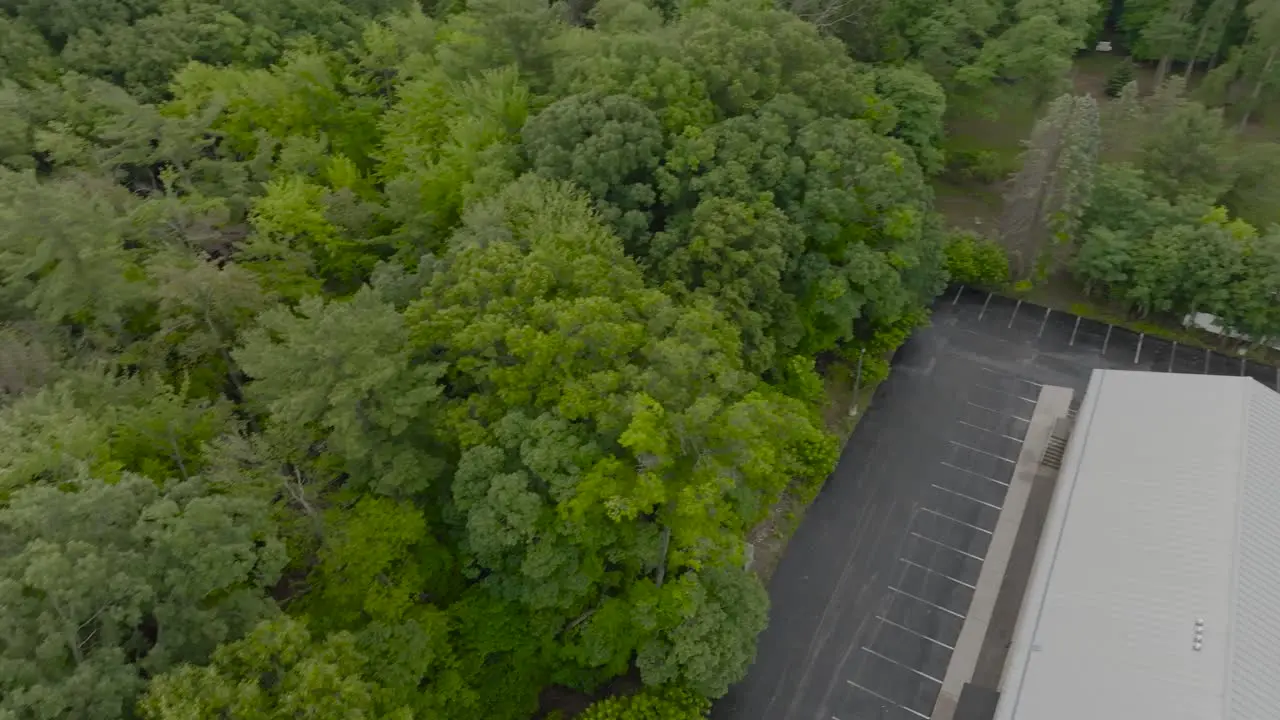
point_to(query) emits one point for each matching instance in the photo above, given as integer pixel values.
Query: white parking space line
(945, 576)
(1014, 316)
(960, 522)
(1006, 393)
(989, 371)
(908, 668)
(975, 474)
(984, 306)
(944, 545)
(990, 431)
(997, 412)
(984, 452)
(970, 498)
(894, 703)
(936, 606)
(917, 633)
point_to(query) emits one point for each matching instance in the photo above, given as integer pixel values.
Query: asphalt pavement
(871, 593)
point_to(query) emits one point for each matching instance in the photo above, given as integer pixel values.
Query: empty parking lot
(870, 596)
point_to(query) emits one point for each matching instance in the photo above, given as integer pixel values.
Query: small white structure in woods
(1213, 324)
(1153, 590)
(1103, 46)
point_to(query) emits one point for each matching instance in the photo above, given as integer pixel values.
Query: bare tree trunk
(662, 561)
(1215, 17)
(1162, 68)
(1195, 54)
(297, 489)
(827, 14)
(1166, 60)
(1257, 87)
(177, 453)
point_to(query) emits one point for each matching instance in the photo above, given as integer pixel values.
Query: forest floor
(999, 127)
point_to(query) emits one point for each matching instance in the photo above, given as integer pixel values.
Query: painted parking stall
(870, 597)
(898, 669)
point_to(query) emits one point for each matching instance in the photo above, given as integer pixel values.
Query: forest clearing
(449, 359)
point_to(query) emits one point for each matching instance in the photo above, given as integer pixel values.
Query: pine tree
(1120, 76)
(1122, 121)
(1049, 193)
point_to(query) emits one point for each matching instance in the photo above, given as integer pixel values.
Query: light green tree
(278, 670)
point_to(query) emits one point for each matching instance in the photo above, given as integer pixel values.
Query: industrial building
(1155, 586)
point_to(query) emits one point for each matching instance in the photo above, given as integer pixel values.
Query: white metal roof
(1166, 514)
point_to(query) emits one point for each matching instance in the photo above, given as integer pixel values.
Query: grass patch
(984, 145)
(973, 207)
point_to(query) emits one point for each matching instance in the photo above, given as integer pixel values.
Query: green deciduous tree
(921, 105)
(278, 670)
(739, 255)
(108, 424)
(646, 64)
(609, 146)
(715, 640)
(200, 308)
(945, 36)
(373, 565)
(341, 373)
(975, 260)
(503, 321)
(595, 454)
(446, 142)
(1036, 49)
(1167, 35)
(858, 196)
(493, 34)
(746, 55)
(1212, 25)
(1189, 153)
(106, 583)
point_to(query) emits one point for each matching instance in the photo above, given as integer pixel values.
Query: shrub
(979, 166)
(1120, 75)
(972, 259)
(650, 704)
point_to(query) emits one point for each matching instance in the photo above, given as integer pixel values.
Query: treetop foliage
(360, 362)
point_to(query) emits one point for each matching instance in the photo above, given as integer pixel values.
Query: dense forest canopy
(369, 358)
(423, 361)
